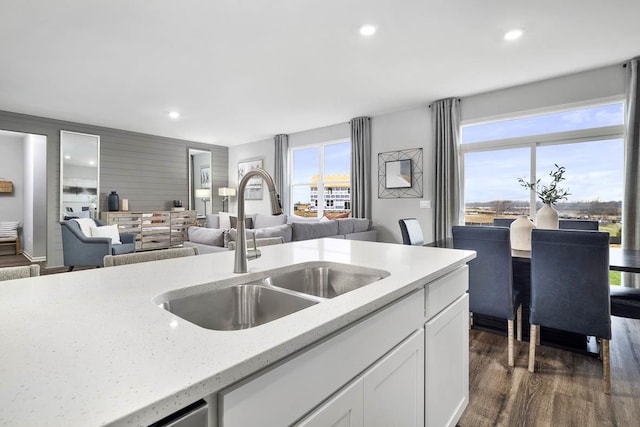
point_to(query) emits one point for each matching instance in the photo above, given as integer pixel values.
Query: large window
(587, 141)
(321, 180)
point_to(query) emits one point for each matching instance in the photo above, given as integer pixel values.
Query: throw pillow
(283, 231)
(9, 228)
(313, 230)
(361, 224)
(213, 221)
(207, 236)
(263, 221)
(110, 231)
(248, 222)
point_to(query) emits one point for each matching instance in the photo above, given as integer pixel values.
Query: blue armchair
(79, 249)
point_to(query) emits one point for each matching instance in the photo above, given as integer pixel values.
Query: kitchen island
(93, 348)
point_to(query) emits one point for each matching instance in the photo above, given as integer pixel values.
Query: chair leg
(470, 320)
(17, 246)
(533, 332)
(519, 320)
(606, 366)
(510, 334)
(71, 268)
(537, 334)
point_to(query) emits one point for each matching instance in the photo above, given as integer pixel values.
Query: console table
(153, 230)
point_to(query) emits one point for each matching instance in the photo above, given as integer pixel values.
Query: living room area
(181, 105)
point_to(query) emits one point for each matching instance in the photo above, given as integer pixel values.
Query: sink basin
(236, 307)
(326, 281)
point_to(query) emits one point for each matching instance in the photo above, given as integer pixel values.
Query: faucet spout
(240, 265)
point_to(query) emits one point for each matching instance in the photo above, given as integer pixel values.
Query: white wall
(11, 204)
(412, 129)
(401, 131)
(601, 83)
(35, 197)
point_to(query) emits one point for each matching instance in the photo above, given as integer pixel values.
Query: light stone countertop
(91, 348)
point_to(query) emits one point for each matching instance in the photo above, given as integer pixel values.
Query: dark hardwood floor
(565, 390)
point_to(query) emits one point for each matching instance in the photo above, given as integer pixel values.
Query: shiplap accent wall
(150, 171)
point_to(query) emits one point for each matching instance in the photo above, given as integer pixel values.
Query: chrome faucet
(240, 265)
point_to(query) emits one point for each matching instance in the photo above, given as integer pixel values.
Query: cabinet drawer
(442, 292)
(287, 392)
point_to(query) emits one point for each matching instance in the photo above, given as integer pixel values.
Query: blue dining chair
(503, 222)
(578, 224)
(411, 232)
(491, 291)
(570, 288)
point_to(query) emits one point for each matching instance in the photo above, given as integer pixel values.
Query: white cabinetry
(389, 393)
(405, 365)
(447, 356)
(394, 387)
(345, 409)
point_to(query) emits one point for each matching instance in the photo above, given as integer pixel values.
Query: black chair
(578, 224)
(503, 222)
(570, 287)
(491, 291)
(411, 232)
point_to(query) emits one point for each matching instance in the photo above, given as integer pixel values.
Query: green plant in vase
(547, 217)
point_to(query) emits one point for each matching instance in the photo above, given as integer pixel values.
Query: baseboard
(28, 256)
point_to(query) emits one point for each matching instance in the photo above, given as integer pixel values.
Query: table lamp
(205, 195)
(226, 193)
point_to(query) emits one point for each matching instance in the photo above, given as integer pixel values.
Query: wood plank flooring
(565, 390)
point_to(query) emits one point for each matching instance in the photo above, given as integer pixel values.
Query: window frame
(321, 174)
(534, 141)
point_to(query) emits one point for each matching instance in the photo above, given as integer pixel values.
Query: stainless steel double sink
(254, 302)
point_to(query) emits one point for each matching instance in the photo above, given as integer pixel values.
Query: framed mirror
(200, 181)
(79, 175)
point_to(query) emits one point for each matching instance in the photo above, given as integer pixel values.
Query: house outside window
(587, 141)
(321, 179)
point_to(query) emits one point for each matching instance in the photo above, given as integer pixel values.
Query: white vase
(547, 217)
(521, 233)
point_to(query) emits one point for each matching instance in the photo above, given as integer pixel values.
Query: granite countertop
(91, 348)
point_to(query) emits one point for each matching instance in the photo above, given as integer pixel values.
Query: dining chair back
(578, 224)
(411, 232)
(503, 222)
(570, 287)
(491, 291)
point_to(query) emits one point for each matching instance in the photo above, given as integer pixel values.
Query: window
(587, 141)
(321, 180)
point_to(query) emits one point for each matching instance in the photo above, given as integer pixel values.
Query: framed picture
(253, 191)
(398, 174)
(205, 177)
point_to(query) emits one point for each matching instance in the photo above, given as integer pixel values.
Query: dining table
(624, 260)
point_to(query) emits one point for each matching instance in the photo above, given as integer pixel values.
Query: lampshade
(203, 193)
(226, 191)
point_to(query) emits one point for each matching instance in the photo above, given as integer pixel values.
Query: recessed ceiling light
(367, 30)
(92, 163)
(513, 34)
(67, 157)
(174, 114)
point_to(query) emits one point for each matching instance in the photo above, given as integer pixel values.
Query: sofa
(220, 230)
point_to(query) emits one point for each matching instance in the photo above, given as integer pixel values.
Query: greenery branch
(551, 193)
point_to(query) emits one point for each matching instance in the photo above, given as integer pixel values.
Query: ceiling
(240, 71)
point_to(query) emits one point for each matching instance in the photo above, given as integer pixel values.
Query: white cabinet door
(447, 364)
(342, 410)
(394, 386)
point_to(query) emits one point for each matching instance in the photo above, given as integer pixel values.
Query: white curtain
(445, 119)
(631, 202)
(361, 167)
(281, 172)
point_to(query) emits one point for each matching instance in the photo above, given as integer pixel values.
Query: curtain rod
(459, 100)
